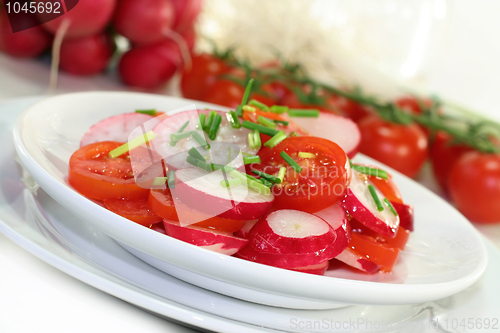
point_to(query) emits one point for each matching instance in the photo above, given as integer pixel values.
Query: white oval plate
(444, 255)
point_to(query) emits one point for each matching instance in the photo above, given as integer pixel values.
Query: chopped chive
(220, 166)
(254, 185)
(183, 127)
(251, 159)
(230, 182)
(306, 155)
(375, 198)
(256, 139)
(370, 171)
(151, 112)
(210, 119)
(248, 89)
(228, 155)
(212, 132)
(249, 108)
(199, 164)
(196, 154)
(176, 137)
(266, 122)
(284, 122)
(290, 162)
(171, 179)
(293, 134)
(275, 140)
(279, 109)
(158, 181)
(132, 144)
(391, 207)
(303, 113)
(281, 174)
(202, 117)
(261, 180)
(201, 140)
(262, 129)
(245, 154)
(267, 176)
(233, 119)
(258, 104)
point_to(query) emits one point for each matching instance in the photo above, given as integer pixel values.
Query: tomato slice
(135, 210)
(97, 176)
(388, 188)
(322, 181)
(162, 203)
(398, 242)
(374, 251)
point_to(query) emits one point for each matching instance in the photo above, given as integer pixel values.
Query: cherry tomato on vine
(228, 93)
(402, 147)
(347, 107)
(474, 185)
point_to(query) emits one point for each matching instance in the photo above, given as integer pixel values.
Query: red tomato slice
(322, 181)
(388, 188)
(374, 251)
(398, 242)
(162, 203)
(135, 210)
(97, 176)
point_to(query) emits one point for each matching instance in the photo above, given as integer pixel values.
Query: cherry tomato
(162, 203)
(97, 176)
(293, 102)
(135, 210)
(443, 156)
(229, 93)
(474, 185)
(402, 147)
(322, 181)
(347, 107)
(203, 73)
(409, 104)
(388, 188)
(373, 251)
(398, 242)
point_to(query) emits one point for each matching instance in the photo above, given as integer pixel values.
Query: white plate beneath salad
(444, 254)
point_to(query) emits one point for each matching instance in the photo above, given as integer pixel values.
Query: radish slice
(360, 204)
(212, 240)
(245, 230)
(318, 269)
(201, 191)
(116, 128)
(357, 261)
(405, 213)
(227, 137)
(336, 216)
(342, 131)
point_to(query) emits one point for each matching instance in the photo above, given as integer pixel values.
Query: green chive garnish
(210, 119)
(183, 127)
(391, 207)
(248, 89)
(275, 140)
(202, 117)
(251, 159)
(306, 155)
(249, 108)
(281, 174)
(370, 171)
(151, 112)
(267, 176)
(245, 154)
(233, 119)
(254, 139)
(176, 137)
(132, 144)
(196, 154)
(254, 185)
(226, 168)
(375, 198)
(293, 134)
(230, 182)
(266, 122)
(303, 113)
(284, 122)
(201, 140)
(258, 104)
(279, 109)
(290, 162)
(171, 179)
(158, 181)
(214, 127)
(262, 129)
(199, 164)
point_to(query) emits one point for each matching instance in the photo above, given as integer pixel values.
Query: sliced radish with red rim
(336, 216)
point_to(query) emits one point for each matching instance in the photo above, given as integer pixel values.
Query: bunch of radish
(161, 34)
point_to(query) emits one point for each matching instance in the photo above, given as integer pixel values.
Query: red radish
(227, 136)
(201, 191)
(87, 55)
(189, 36)
(336, 216)
(26, 43)
(318, 269)
(217, 241)
(361, 205)
(355, 260)
(340, 130)
(88, 17)
(245, 230)
(115, 128)
(186, 12)
(150, 66)
(144, 21)
(288, 231)
(405, 213)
